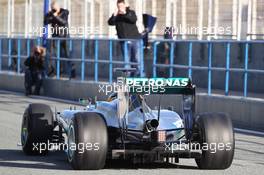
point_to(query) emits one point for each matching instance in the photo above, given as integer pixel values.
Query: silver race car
(124, 126)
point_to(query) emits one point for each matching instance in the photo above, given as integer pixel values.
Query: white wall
(237, 14)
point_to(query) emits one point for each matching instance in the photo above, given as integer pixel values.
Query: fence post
(110, 61)
(171, 58)
(58, 59)
(127, 65)
(209, 68)
(38, 41)
(83, 60)
(96, 61)
(246, 70)
(70, 46)
(28, 47)
(18, 55)
(227, 68)
(0, 54)
(190, 61)
(155, 59)
(45, 11)
(141, 58)
(9, 52)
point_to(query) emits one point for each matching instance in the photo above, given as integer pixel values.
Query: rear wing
(147, 86)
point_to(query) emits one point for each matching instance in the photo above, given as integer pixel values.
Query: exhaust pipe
(151, 125)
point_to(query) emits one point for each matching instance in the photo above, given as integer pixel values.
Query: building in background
(192, 19)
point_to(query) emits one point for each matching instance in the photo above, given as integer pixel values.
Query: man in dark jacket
(124, 19)
(58, 18)
(35, 68)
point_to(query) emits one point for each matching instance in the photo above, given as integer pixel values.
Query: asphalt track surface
(249, 154)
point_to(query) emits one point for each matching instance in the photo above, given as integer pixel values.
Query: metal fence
(209, 67)
(7, 56)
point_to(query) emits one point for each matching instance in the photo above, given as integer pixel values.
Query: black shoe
(27, 93)
(73, 74)
(51, 71)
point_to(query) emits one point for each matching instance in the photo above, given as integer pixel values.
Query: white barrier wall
(189, 17)
(245, 112)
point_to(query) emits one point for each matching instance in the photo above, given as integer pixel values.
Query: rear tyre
(87, 141)
(215, 131)
(37, 129)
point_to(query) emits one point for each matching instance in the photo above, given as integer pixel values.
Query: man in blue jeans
(124, 19)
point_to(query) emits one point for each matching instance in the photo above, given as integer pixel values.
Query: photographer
(35, 69)
(124, 19)
(58, 18)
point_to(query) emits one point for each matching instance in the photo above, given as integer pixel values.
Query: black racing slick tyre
(217, 141)
(87, 141)
(37, 129)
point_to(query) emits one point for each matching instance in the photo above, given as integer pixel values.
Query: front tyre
(217, 141)
(87, 141)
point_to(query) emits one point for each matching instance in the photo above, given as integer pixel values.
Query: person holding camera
(35, 71)
(124, 19)
(58, 18)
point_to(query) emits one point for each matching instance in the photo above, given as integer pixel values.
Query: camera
(37, 54)
(53, 11)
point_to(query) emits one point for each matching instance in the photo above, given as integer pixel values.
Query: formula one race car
(125, 127)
